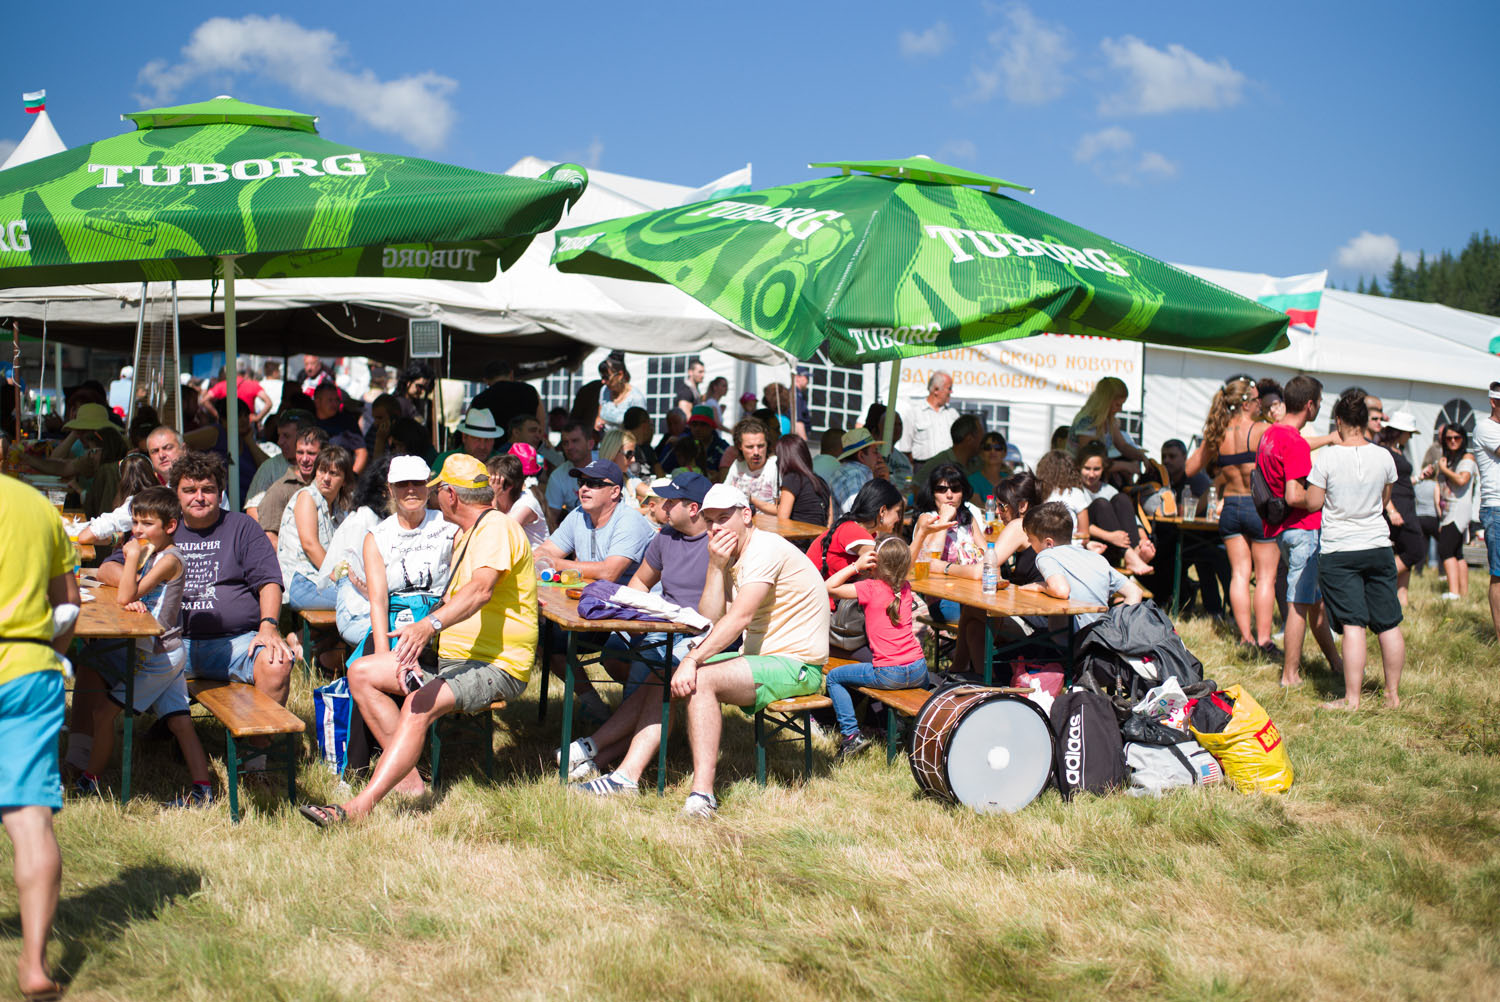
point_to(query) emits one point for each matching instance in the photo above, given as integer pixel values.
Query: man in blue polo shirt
(677, 559)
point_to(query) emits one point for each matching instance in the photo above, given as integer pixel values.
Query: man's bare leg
(721, 682)
(1317, 618)
(1393, 654)
(372, 681)
(399, 759)
(38, 875)
(1296, 631)
(647, 740)
(1495, 603)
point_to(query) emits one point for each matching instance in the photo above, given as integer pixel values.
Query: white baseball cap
(724, 496)
(404, 468)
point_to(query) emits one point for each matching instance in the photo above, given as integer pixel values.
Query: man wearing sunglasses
(1486, 442)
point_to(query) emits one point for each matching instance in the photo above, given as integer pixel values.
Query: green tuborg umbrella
(908, 259)
(221, 188)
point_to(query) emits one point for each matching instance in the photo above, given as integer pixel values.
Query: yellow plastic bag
(1250, 748)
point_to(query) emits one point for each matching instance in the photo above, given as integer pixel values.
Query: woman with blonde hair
(1098, 420)
(618, 447)
(1231, 436)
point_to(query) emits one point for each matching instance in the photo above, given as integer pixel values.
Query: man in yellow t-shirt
(38, 560)
(487, 629)
(763, 587)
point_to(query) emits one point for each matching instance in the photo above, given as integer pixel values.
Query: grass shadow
(88, 922)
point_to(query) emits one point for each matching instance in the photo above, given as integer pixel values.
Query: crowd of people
(430, 559)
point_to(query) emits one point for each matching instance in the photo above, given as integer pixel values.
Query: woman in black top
(804, 496)
(1401, 513)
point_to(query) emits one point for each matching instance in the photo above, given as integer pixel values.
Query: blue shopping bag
(332, 709)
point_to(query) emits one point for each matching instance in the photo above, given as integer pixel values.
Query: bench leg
(291, 742)
(890, 734)
(435, 743)
(806, 747)
(307, 651)
(232, 757)
(127, 725)
(661, 751)
(541, 703)
(760, 748)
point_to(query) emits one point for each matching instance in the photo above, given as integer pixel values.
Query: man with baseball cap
(677, 558)
(486, 625)
(704, 427)
(859, 463)
(763, 588)
(1486, 441)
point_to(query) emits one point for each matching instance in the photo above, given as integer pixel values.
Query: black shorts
(1409, 543)
(1451, 542)
(1359, 588)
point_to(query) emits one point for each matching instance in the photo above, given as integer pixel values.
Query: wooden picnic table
(1009, 600)
(102, 621)
(562, 611)
(1186, 538)
(788, 528)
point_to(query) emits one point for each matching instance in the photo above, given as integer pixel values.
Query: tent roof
(1359, 335)
(41, 140)
(550, 312)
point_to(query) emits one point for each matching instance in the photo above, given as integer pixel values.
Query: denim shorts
(303, 594)
(1237, 517)
(222, 659)
(1299, 548)
(1490, 519)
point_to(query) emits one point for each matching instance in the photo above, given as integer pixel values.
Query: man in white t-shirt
(755, 471)
(1487, 454)
(763, 587)
(926, 426)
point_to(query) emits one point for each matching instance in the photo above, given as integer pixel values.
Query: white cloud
(931, 42)
(595, 153)
(1152, 162)
(1162, 80)
(313, 63)
(1372, 252)
(1111, 154)
(958, 149)
(1027, 60)
(1111, 140)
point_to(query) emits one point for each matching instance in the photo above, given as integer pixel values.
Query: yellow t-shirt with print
(34, 549)
(504, 631)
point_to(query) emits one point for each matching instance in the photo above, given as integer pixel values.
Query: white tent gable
(41, 140)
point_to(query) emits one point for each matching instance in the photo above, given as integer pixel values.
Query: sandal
(325, 816)
(52, 994)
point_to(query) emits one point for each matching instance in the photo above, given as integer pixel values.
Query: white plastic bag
(1166, 704)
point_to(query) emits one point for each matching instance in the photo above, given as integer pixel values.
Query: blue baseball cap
(685, 487)
(599, 469)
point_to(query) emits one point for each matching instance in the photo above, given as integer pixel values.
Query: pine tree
(1360, 288)
(1398, 279)
(1374, 288)
(1421, 282)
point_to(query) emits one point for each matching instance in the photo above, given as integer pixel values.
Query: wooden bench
(906, 702)
(246, 712)
(310, 621)
(480, 725)
(793, 716)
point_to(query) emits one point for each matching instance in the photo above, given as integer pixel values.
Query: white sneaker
(582, 769)
(580, 749)
(700, 805)
(1450, 596)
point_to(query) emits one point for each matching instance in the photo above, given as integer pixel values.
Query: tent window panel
(994, 417)
(1134, 423)
(1457, 412)
(558, 389)
(835, 394)
(663, 373)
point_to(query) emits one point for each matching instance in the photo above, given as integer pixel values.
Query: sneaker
(851, 745)
(1272, 652)
(198, 796)
(582, 748)
(87, 786)
(609, 785)
(1450, 596)
(700, 805)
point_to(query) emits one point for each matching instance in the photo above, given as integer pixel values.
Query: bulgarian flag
(1297, 296)
(36, 101)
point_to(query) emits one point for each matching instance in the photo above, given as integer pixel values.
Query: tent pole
(887, 433)
(175, 387)
(57, 361)
(231, 383)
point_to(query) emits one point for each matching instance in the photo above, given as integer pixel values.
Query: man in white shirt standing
(1487, 454)
(925, 427)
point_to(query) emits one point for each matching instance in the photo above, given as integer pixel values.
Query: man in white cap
(486, 628)
(859, 463)
(763, 588)
(1486, 443)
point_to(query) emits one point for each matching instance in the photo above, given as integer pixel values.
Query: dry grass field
(1376, 876)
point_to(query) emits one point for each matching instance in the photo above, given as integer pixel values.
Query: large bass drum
(988, 750)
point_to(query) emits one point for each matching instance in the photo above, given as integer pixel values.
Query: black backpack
(1271, 508)
(1090, 751)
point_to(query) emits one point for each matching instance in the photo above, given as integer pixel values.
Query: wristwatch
(269, 619)
(437, 624)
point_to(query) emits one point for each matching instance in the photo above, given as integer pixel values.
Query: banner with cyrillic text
(1055, 369)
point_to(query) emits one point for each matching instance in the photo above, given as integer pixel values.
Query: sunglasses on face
(947, 489)
(629, 455)
(595, 485)
(1453, 438)
(993, 447)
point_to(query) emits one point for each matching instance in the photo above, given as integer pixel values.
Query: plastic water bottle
(989, 580)
(1213, 504)
(1188, 503)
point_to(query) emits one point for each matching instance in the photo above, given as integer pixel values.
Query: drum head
(1000, 755)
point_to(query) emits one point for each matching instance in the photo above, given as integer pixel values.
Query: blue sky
(1272, 137)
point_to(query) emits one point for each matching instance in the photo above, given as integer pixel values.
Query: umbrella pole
(887, 433)
(231, 383)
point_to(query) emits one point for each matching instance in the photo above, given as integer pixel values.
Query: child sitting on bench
(1068, 571)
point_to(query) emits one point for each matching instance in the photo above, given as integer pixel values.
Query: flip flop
(325, 816)
(52, 994)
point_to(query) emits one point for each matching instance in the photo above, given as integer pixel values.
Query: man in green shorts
(764, 587)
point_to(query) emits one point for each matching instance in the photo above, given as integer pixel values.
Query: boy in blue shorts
(151, 582)
(1072, 572)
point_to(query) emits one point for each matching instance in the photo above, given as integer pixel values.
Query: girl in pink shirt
(897, 661)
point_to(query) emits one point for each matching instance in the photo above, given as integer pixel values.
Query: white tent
(41, 140)
(530, 301)
(1425, 358)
